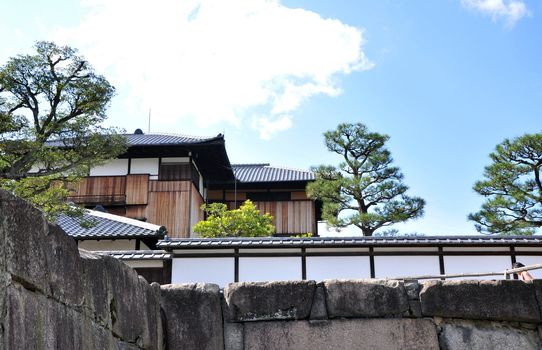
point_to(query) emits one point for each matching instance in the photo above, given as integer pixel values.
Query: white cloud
(214, 60)
(510, 11)
(269, 126)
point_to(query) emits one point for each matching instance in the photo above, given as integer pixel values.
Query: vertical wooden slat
(284, 217)
(137, 189)
(278, 217)
(196, 214)
(291, 214)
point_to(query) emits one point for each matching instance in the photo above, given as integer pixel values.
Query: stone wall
(54, 297)
(355, 314)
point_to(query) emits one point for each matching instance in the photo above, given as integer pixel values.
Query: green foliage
(243, 222)
(51, 106)
(304, 235)
(365, 190)
(512, 187)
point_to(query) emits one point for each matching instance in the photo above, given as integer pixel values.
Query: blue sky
(446, 80)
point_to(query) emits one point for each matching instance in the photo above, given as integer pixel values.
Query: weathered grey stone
(50, 298)
(233, 336)
(122, 301)
(386, 334)
(193, 319)
(537, 284)
(63, 260)
(414, 309)
(128, 304)
(505, 300)
(319, 309)
(365, 298)
(279, 300)
(96, 289)
(413, 290)
(33, 321)
(475, 335)
(23, 231)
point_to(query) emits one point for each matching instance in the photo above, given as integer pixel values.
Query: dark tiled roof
(137, 254)
(327, 242)
(161, 139)
(167, 139)
(266, 173)
(109, 226)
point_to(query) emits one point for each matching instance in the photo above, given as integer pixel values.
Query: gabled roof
(263, 172)
(342, 242)
(109, 226)
(209, 152)
(163, 139)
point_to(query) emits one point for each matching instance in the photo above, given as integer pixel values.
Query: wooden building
(164, 179)
(274, 190)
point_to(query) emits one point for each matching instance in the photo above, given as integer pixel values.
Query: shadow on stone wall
(51, 297)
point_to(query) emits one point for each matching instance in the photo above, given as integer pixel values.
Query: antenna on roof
(149, 128)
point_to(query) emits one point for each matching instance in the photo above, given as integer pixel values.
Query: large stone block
(537, 284)
(64, 267)
(477, 335)
(193, 317)
(506, 300)
(96, 288)
(23, 231)
(279, 300)
(122, 301)
(54, 299)
(361, 334)
(365, 298)
(33, 321)
(132, 305)
(319, 309)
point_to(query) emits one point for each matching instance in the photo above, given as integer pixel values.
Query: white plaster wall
(119, 244)
(144, 166)
(213, 270)
(269, 269)
(465, 264)
(111, 168)
(405, 266)
(327, 267)
(531, 260)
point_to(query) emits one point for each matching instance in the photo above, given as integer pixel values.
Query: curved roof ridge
(219, 135)
(264, 172)
(250, 164)
(268, 165)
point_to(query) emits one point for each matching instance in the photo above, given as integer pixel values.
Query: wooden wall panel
(288, 216)
(137, 189)
(172, 210)
(168, 186)
(136, 212)
(196, 214)
(105, 190)
(101, 185)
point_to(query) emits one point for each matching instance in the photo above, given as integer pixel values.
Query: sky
(447, 80)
